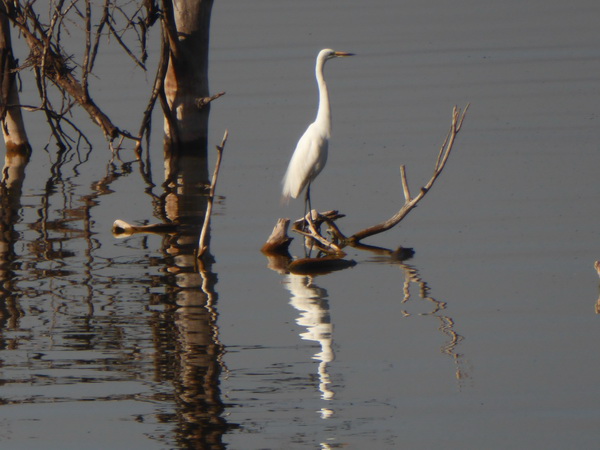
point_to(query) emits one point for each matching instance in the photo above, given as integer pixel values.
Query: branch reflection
(412, 278)
(597, 305)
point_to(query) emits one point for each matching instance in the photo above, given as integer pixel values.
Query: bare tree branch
(202, 102)
(170, 29)
(54, 66)
(51, 62)
(124, 46)
(202, 247)
(311, 229)
(410, 203)
(157, 91)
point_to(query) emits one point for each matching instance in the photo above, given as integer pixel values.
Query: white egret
(310, 155)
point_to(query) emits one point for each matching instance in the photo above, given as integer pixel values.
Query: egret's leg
(307, 248)
(308, 201)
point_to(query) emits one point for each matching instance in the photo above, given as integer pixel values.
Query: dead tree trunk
(18, 151)
(187, 28)
(11, 119)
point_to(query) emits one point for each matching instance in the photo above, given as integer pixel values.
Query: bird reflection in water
(311, 302)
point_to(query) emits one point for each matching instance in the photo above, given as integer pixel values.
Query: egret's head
(327, 53)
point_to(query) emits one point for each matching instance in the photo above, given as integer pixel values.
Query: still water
(485, 339)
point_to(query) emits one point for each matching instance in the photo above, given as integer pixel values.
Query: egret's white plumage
(310, 155)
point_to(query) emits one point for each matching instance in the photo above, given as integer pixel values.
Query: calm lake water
(487, 338)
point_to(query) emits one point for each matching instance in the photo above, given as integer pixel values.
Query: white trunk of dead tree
(17, 145)
(187, 27)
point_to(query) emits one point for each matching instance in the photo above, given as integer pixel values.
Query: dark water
(485, 339)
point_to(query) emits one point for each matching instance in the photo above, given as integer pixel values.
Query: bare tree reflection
(11, 184)
(65, 272)
(187, 337)
(311, 302)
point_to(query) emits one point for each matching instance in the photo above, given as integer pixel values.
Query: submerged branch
(202, 247)
(409, 202)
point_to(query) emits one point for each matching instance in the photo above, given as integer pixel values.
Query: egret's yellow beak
(343, 54)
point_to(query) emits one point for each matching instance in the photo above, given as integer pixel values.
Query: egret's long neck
(324, 111)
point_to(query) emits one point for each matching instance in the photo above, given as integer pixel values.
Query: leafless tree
(63, 74)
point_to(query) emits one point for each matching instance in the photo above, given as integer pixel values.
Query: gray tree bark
(187, 27)
(17, 145)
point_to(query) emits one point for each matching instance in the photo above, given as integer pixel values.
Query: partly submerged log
(279, 241)
(122, 229)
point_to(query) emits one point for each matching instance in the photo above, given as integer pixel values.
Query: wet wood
(202, 246)
(122, 229)
(279, 241)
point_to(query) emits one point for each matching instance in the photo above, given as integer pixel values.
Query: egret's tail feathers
(287, 195)
(289, 189)
(285, 200)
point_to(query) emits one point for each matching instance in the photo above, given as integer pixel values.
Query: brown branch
(410, 203)
(278, 241)
(202, 247)
(157, 90)
(88, 45)
(53, 63)
(170, 28)
(92, 52)
(203, 101)
(310, 229)
(405, 188)
(124, 46)
(55, 68)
